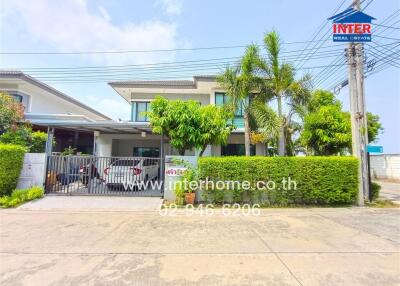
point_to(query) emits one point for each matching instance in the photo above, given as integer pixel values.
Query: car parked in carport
(131, 170)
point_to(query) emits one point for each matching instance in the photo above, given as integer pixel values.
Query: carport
(86, 174)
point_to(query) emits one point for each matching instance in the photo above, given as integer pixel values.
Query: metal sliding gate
(110, 176)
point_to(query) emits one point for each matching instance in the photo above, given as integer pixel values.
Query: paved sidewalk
(336, 246)
(390, 191)
(93, 203)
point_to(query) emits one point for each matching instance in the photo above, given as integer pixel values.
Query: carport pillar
(49, 142)
(95, 135)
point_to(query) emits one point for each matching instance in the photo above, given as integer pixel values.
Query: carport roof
(101, 126)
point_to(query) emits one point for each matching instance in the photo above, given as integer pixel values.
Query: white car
(131, 171)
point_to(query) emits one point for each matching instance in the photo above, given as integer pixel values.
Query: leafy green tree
(214, 129)
(11, 112)
(188, 125)
(327, 128)
(374, 127)
(240, 83)
(327, 131)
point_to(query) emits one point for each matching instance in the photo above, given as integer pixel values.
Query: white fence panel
(33, 170)
(385, 167)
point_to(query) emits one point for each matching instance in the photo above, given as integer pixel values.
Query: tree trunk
(202, 150)
(246, 134)
(281, 143)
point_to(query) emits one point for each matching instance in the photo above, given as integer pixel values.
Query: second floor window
(139, 109)
(222, 98)
(17, 97)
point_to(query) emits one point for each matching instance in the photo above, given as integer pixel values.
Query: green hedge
(11, 160)
(19, 197)
(320, 180)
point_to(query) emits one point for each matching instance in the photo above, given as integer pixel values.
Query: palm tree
(280, 84)
(239, 83)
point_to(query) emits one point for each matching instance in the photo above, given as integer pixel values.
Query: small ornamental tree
(327, 131)
(11, 112)
(327, 128)
(188, 125)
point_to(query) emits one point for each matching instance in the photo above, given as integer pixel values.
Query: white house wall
(204, 99)
(41, 101)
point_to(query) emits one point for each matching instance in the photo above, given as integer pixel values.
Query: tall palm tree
(280, 83)
(239, 83)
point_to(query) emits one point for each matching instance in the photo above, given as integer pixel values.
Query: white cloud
(70, 26)
(171, 7)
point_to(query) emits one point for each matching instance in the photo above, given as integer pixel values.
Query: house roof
(352, 16)
(6, 74)
(164, 83)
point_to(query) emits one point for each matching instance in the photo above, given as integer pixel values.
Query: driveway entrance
(109, 176)
(92, 203)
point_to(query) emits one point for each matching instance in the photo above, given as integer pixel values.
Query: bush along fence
(19, 197)
(11, 160)
(290, 180)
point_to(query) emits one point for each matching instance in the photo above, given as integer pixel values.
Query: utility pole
(355, 59)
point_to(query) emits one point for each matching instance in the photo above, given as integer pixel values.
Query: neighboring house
(43, 104)
(84, 128)
(139, 94)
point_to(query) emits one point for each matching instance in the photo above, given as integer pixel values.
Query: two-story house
(44, 105)
(139, 94)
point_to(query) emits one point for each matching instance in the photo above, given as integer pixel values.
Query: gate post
(162, 162)
(49, 142)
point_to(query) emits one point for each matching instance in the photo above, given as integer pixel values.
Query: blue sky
(84, 25)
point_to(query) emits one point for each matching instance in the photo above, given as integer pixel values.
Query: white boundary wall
(386, 167)
(33, 171)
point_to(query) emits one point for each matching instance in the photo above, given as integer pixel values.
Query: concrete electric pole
(355, 60)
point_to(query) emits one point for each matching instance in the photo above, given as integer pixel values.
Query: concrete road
(279, 247)
(390, 191)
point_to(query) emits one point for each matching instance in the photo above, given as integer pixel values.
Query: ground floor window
(146, 152)
(237, 150)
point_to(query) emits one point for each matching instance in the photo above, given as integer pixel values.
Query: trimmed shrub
(19, 197)
(33, 141)
(376, 188)
(11, 160)
(319, 180)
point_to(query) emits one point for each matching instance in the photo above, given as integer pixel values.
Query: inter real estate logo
(352, 26)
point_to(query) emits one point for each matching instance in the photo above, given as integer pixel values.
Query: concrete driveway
(279, 247)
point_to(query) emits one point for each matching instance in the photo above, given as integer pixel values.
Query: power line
(388, 38)
(154, 73)
(389, 27)
(327, 73)
(388, 19)
(141, 51)
(164, 65)
(321, 28)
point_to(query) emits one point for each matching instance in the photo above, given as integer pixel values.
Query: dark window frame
(156, 149)
(225, 152)
(147, 103)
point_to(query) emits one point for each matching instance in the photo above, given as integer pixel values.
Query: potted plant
(190, 175)
(184, 191)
